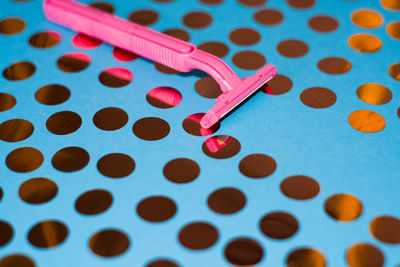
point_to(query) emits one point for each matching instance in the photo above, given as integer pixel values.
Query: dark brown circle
(211, 2)
(116, 77)
(221, 146)
(386, 229)
(16, 260)
(151, 128)
(24, 159)
(161, 263)
(93, 202)
(292, 48)
(334, 65)
(217, 49)
(103, 6)
(301, 4)
(318, 97)
(208, 87)
(6, 233)
(63, 122)
(257, 166)
(252, 3)
(39, 234)
(178, 33)
(52, 94)
(191, 125)
(156, 209)
(164, 97)
(1, 193)
(38, 190)
(343, 207)
(248, 60)
(394, 71)
(226, 200)
(11, 26)
(15, 130)
(305, 257)
(279, 225)
(109, 243)
(197, 19)
(164, 69)
(198, 235)
(144, 17)
(300, 187)
(323, 24)
(278, 85)
(70, 159)
(46, 39)
(364, 254)
(19, 71)
(268, 17)
(7, 101)
(181, 170)
(110, 119)
(244, 36)
(116, 165)
(243, 252)
(73, 62)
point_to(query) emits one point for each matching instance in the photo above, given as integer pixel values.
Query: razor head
(240, 92)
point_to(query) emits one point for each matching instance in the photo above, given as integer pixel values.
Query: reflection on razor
(164, 49)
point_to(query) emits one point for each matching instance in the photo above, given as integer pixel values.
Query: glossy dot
(181, 170)
(249, 60)
(244, 36)
(47, 234)
(24, 159)
(151, 128)
(301, 4)
(243, 252)
(70, 159)
(221, 146)
(257, 166)
(103, 6)
(211, 2)
(191, 125)
(300, 187)
(156, 209)
(305, 257)
(278, 85)
(323, 23)
(6, 233)
(198, 235)
(252, 3)
(178, 33)
(83, 41)
(334, 65)
(15, 130)
(217, 49)
(110, 119)
(7, 101)
(109, 243)
(366, 18)
(363, 254)
(279, 225)
(115, 77)
(386, 229)
(38, 190)
(164, 97)
(162, 263)
(52, 94)
(93, 202)
(116, 165)
(318, 97)
(144, 17)
(373, 93)
(123, 55)
(226, 200)
(292, 48)
(46, 39)
(391, 4)
(11, 26)
(63, 122)
(268, 17)
(394, 71)
(208, 87)
(343, 207)
(367, 121)
(165, 69)
(393, 29)
(364, 43)
(197, 20)
(73, 62)
(16, 260)
(19, 71)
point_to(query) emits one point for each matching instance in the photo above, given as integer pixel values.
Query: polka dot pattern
(334, 65)
(156, 209)
(38, 190)
(367, 121)
(386, 229)
(268, 17)
(181, 170)
(17, 260)
(257, 166)
(19, 71)
(151, 128)
(221, 146)
(226, 200)
(73, 62)
(244, 36)
(364, 254)
(7, 101)
(373, 93)
(197, 20)
(52, 94)
(11, 26)
(300, 187)
(46, 39)
(306, 257)
(364, 43)
(24, 159)
(116, 165)
(243, 251)
(70, 159)
(115, 77)
(110, 119)
(144, 17)
(15, 130)
(63, 122)
(318, 97)
(292, 48)
(109, 243)
(343, 207)
(323, 23)
(248, 60)
(279, 225)
(48, 234)
(198, 235)
(93, 202)
(366, 18)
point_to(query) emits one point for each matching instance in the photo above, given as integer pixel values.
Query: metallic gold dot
(116, 165)
(386, 229)
(70, 159)
(15, 260)
(391, 4)
(109, 243)
(24, 159)
(123, 55)
(364, 254)
(93, 202)
(221, 146)
(164, 97)
(6, 233)
(305, 257)
(181, 170)
(15, 130)
(393, 29)
(374, 94)
(279, 225)
(343, 207)
(156, 209)
(367, 121)
(334, 65)
(110, 119)
(7, 101)
(151, 128)
(73, 62)
(46, 39)
(83, 41)
(198, 235)
(366, 18)
(38, 190)
(63, 122)
(48, 234)
(300, 187)
(257, 166)
(191, 125)
(11, 26)
(197, 19)
(115, 77)
(394, 71)
(226, 200)
(243, 252)
(144, 17)
(19, 71)
(364, 43)
(52, 94)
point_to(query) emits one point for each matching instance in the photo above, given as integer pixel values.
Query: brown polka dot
(93, 202)
(52, 94)
(373, 93)
(191, 125)
(164, 97)
(394, 71)
(248, 60)
(292, 48)
(301, 4)
(279, 225)
(226, 200)
(161, 263)
(110, 119)
(46, 39)
(393, 29)
(164, 69)
(15, 130)
(144, 17)
(63, 122)
(366, 18)
(363, 254)
(244, 36)
(24, 159)
(386, 229)
(305, 257)
(151, 128)
(1, 194)
(391, 4)
(156, 209)
(178, 33)
(103, 6)
(343, 207)
(83, 41)
(364, 43)
(19, 71)
(323, 24)
(252, 3)
(318, 97)
(243, 252)
(300, 187)
(334, 65)
(181, 170)
(109, 243)
(16, 260)
(6, 233)
(257, 166)
(7, 101)
(217, 49)
(367, 121)
(11, 26)
(47, 234)
(198, 235)
(268, 17)
(70, 159)
(221, 146)
(278, 85)
(211, 2)
(38, 190)
(207, 87)
(115, 77)
(197, 20)
(73, 62)
(123, 55)
(398, 112)
(116, 165)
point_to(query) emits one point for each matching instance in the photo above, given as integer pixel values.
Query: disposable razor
(164, 49)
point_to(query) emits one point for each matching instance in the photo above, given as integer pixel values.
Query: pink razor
(164, 49)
